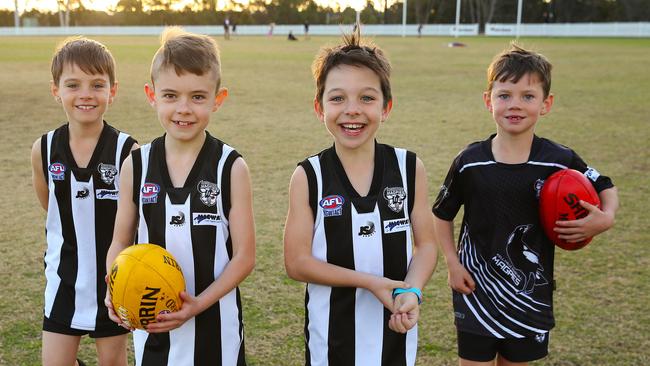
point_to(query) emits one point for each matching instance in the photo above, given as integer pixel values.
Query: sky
(106, 4)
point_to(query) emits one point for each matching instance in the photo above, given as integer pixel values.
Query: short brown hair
(515, 62)
(352, 52)
(89, 55)
(186, 52)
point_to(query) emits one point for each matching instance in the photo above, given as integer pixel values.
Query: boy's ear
(113, 92)
(221, 96)
(151, 94)
(318, 108)
(54, 90)
(386, 111)
(487, 100)
(546, 106)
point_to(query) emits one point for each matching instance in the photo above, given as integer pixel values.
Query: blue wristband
(414, 290)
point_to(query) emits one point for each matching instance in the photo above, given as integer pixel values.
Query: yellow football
(145, 281)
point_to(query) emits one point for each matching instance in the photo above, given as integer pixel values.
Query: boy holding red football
(502, 272)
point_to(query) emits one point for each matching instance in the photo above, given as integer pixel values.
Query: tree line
(203, 12)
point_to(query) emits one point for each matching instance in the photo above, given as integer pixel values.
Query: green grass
(601, 110)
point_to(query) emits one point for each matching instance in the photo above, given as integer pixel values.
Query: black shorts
(105, 331)
(479, 348)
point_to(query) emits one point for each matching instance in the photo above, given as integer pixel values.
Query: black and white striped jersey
(372, 234)
(191, 222)
(81, 214)
(501, 242)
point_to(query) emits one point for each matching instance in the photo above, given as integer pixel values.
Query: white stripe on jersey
(121, 139)
(411, 335)
(368, 310)
(489, 162)
(547, 164)
(231, 339)
(143, 230)
(54, 238)
(86, 285)
(319, 295)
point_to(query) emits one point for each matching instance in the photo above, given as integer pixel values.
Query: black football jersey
(501, 241)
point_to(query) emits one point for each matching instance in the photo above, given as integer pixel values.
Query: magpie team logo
(540, 337)
(521, 266)
(107, 172)
(83, 193)
(395, 198)
(57, 171)
(208, 192)
(367, 230)
(177, 220)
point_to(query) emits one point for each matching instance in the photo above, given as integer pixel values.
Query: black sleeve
(450, 197)
(600, 182)
(44, 159)
(410, 178)
(312, 185)
(126, 149)
(136, 157)
(225, 178)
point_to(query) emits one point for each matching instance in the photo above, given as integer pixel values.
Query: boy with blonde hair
(502, 272)
(198, 207)
(75, 172)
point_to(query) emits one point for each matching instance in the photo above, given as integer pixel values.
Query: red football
(559, 200)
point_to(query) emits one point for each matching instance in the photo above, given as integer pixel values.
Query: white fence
(641, 29)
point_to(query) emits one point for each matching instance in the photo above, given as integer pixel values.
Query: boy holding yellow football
(169, 186)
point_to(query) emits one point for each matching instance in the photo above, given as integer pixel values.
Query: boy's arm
(242, 232)
(596, 222)
(125, 225)
(425, 255)
(460, 279)
(302, 266)
(38, 179)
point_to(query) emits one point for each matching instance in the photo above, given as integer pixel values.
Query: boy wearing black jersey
(190, 193)
(75, 172)
(502, 272)
(352, 210)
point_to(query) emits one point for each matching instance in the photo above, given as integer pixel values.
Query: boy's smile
(185, 102)
(353, 106)
(516, 107)
(85, 97)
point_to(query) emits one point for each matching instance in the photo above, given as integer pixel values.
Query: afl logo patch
(150, 193)
(332, 205)
(57, 171)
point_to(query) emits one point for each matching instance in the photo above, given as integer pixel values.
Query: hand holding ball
(145, 280)
(559, 200)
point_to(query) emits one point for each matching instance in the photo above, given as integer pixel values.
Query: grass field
(601, 110)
